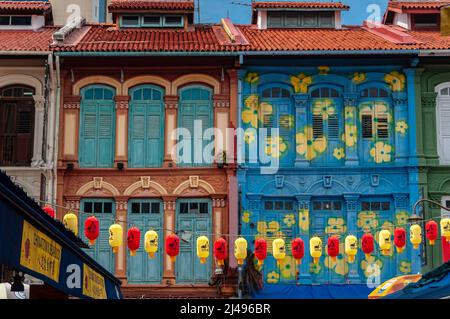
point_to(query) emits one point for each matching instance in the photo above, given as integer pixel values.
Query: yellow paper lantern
(315, 248)
(240, 250)
(115, 237)
(151, 243)
(415, 235)
(445, 228)
(384, 240)
(203, 248)
(351, 247)
(70, 221)
(279, 250)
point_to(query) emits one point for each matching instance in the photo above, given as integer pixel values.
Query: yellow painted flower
(315, 268)
(402, 218)
(405, 267)
(301, 83)
(323, 70)
(261, 227)
(287, 121)
(367, 221)
(350, 136)
(252, 77)
(303, 219)
(249, 136)
(372, 260)
(381, 152)
(309, 147)
(359, 77)
(273, 226)
(288, 268)
(401, 127)
(350, 112)
(252, 101)
(340, 265)
(250, 112)
(336, 225)
(382, 109)
(339, 153)
(275, 146)
(396, 81)
(246, 216)
(273, 277)
(289, 220)
(325, 107)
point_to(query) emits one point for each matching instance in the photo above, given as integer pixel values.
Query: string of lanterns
(220, 249)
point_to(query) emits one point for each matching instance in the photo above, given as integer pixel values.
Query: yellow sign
(40, 253)
(93, 283)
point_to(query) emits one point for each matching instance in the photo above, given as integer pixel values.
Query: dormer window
(25, 15)
(302, 19)
(425, 20)
(152, 21)
(414, 15)
(15, 20)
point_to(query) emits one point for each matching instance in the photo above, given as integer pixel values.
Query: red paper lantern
(49, 211)
(298, 250)
(133, 240)
(220, 251)
(260, 250)
(367, 244)
(431, 230)
(333, 247)
(400, 239)
(172, 246)
(91, 229)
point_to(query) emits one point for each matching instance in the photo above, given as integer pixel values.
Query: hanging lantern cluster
(115, 237)
(70, 221)
(351, 247)
(151, 243)
(431, 231)
(91, 229)
(415, 235)
(400, 239)
(203, 248)
(240, 250)
(172, 246)
(220, 251)
(260, 250)
(298, 250)
(315, 248)
(133, 240)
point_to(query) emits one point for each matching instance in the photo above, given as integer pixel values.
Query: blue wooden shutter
(187, 122)
(137, 136)
(154, 136)
(88, 141)
(106, 134)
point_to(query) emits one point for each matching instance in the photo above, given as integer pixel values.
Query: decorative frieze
(429, 99)
(121, 205)
(351, 99)
(72, 102)
(218, 202)
(399, 98)
(171, 102)
(122, 101)
(221, 100)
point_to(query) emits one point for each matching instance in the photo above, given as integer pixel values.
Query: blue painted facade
(346, 150)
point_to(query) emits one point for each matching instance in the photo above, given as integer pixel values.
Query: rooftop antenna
(197, 8)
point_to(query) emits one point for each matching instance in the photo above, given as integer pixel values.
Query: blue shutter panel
(106, 134)
(88, 141)
(137, 142)
(187, 122)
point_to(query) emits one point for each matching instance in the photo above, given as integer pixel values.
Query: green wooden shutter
(88, 142)
(154, 136)
(106, 134)
(187, 122)
(137, 136)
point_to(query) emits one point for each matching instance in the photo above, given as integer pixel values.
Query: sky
(213, 10)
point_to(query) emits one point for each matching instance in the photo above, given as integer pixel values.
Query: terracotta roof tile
(26, 40)
(408, 5)
(118, 5)
(38, 7)
(300, 5)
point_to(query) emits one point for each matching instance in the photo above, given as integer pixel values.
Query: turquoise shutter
(203, 115)
(106, 134)
(137, 138)
(154, 136)
(286, 130)
(88, 142)
(187, 122)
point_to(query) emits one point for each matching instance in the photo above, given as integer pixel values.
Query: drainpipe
(56, 129)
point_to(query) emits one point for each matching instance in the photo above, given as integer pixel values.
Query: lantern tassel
(298, 262)
(220, 262)
(132, 253)
(203, 260)
(316, 260)
(399, 250)
(260, 262)
(115, 250)
(368, 256)
(151, 255)
(351, 258)
(333, 259)
(416, 246)
(91, 242)
(432, 242)
(173, 258)
(240, 262)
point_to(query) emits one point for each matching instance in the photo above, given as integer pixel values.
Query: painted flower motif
(340, 265)
(381, 152)
(288, 269)
(315, 268)
(405, 267)
(401, 127)
(287, 121)
(349, 112)
(289, 220)
(246, 216)
(396, 81)
(336, 225)
(359, 77)
(261, 227)
(250, 112)
(367, 221)
(324, 107)
(381, 108)
(339, 153)
(301, 83)
(402, 218)
(275, 146)
(303, 220)
(350, 136)
(249, 136)
(273, 277)
(309, 147)
(252, 101)
(323, 70)
(372, 261)
(273, 226)
(252, 77)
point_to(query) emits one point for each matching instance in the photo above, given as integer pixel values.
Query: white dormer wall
(337, 20)
(37, 22)
(403, 20)
(262, 19)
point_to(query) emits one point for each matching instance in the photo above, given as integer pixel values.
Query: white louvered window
(443, 123)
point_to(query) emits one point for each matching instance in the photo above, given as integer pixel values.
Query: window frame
(440, 136)
(162, 21)
(317, 15)
(12, 16)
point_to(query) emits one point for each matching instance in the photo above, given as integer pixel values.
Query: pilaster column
(351, 202)
(121, 257)
(169, 227)
(39, 107)
(304, 208)
(122, 103)
(71, 128)
(301, 120)
(233, 75)
(351, 129)
(400, 100)
(221, 123)
(427, 138)
(171, 118)
(412, 85)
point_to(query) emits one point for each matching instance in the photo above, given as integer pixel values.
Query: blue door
(328, 219)
(104, 211)
(146, 129)
(194, 216)
(146, 215)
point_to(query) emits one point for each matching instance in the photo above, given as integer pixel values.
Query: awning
(33, 242)
(329, 291)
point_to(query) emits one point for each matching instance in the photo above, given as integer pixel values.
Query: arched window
(146, 127)
(277, 109)
(16, 125)
(443, 120)
(195, 109)
(97, 126)
(327, 127)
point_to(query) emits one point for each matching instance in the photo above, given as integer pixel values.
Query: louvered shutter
(88, 143)
(137, 138)
(444, 130)
(382, 127)
(24, 135)
(187, 122)
(154, 138)
(106, 134)
(333, 127)
(366, 122)
(203, 115)
(317, 126)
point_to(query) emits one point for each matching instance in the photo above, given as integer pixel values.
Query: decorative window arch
(96, 80)
(146, 79)
(442, 122)
(195, 78)
(97, 126)
(146, 126)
